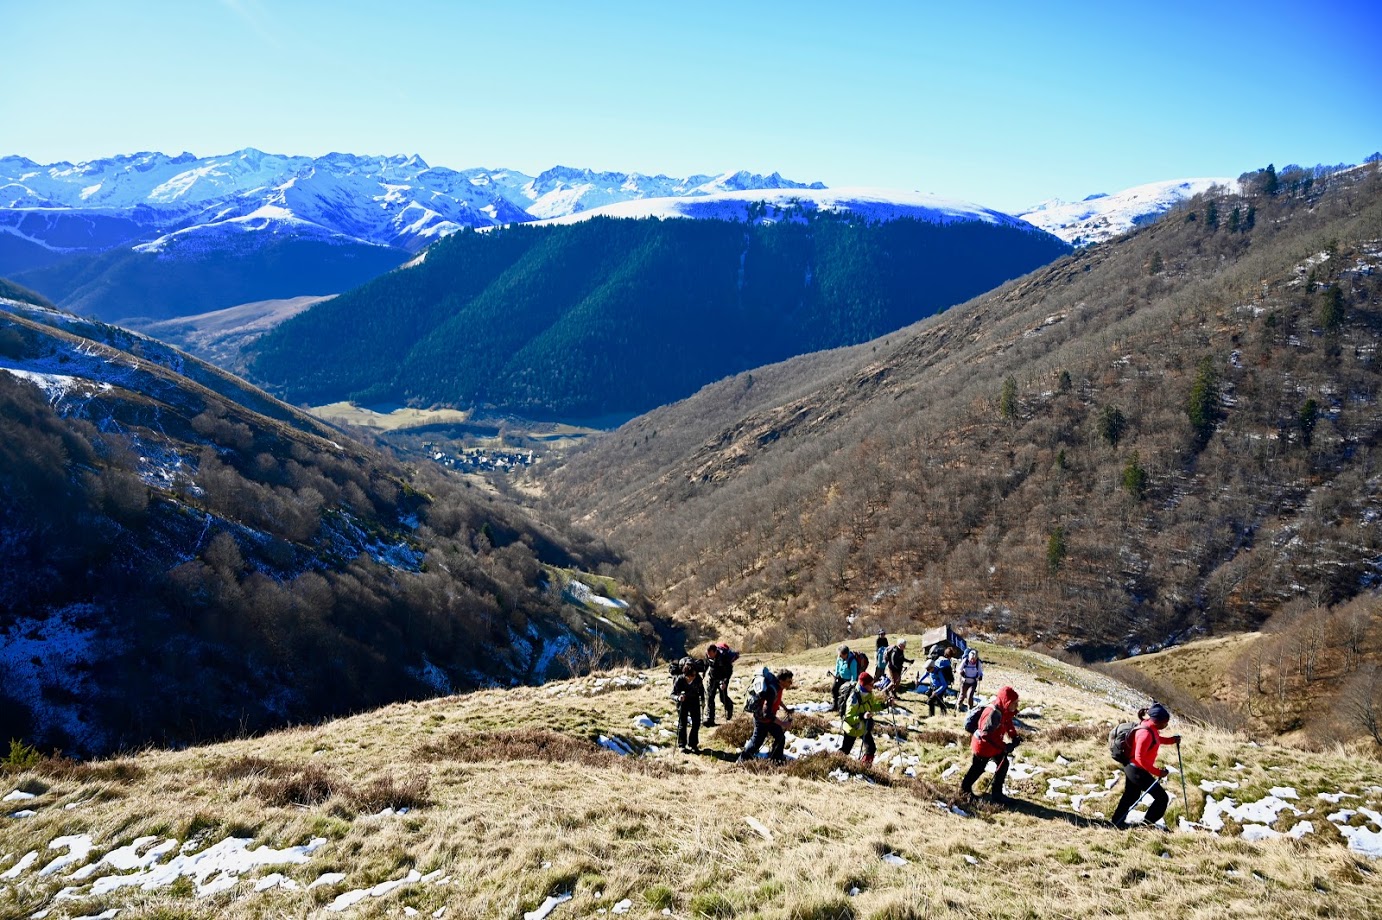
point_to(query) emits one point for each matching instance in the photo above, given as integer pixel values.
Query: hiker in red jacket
(1141, 775)
(994, 740)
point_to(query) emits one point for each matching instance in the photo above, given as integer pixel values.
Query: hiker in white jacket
(971, 672)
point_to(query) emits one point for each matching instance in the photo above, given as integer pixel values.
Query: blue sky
(1002, 104)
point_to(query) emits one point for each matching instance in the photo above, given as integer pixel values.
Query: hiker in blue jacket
(935, 695)
(846, 673)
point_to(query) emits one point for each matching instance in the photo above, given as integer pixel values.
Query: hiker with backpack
(896, 659)
(847, 671)
(995, 737)
(937, 687)
(859, 706)
(971, 673)
(880, 648)
(722, 659)
(1136, 746)
(689, 692)
(764, 702)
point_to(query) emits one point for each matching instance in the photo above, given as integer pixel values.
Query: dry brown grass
(516, 812)
(1076, 731)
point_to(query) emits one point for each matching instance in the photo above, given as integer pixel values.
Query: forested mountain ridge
(610, 316)
(1173, 431)
(183, 557)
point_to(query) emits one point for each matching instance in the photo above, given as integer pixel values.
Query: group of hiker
(857, 696)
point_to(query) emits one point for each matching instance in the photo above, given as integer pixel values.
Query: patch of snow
(328, 878)
(616, 745)
(1214, 785)
(643, 720)
(893, 859)
(79, 847)
(1333, 798)
(214, 869)
(1256, 833)
(1284, 792)
(17, 796)
(546, 907)
(14, 871)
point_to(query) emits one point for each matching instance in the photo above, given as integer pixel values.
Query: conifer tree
(1135, 478)
(1007, 400)
(1112, 424)
(1332, 309)
(1056, 550)
(1202, 408)
(1305, 421)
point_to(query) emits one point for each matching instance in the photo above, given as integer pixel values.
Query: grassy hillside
(1170, 433)
(511, 800)
(610, 316)
(183, 557)
(1313, 674)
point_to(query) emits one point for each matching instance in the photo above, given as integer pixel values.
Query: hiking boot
(709, 723)
(998, 798)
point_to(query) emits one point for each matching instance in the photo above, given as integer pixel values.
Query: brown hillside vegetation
(490, 803)
(1311, 675)
(183, 557)
(1168, 433)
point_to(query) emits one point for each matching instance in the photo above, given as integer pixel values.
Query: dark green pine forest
(619, 316)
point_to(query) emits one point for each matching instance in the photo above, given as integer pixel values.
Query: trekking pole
(1185, 796)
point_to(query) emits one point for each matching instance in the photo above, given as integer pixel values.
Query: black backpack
(678, 667)
(973, 718)
(1120, 741)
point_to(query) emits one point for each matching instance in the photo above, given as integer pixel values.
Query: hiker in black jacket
(765, 700)
(896, 659)
(689, 692)
(722, 659)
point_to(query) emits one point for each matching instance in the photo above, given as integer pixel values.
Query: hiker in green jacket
(860, 705)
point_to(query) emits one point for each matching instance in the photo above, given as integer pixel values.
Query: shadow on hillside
(1045, 812)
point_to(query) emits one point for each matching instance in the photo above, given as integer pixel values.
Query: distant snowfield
(1102, 217)
(872, 203)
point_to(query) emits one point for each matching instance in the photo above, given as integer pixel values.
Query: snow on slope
(151, 200)
(873, 203)
(1102, 217)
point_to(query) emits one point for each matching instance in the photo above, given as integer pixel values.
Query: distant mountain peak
(1101, 216)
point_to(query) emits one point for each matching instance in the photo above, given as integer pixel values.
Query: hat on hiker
(844, 650)
(866, 679)
(1158, 713)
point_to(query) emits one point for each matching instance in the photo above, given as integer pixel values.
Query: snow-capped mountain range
(777, 204)
(149, 200)
(1102, 217)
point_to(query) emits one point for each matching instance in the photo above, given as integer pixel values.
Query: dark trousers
(870, 748)
(835, 694)
(689, 725)
(976, 770)
(936, 701)
(761, 731)
(718, 685)
(1136, 783)
(967, 688)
